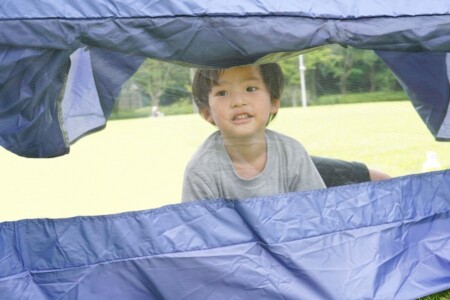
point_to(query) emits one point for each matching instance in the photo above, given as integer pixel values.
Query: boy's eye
(221, 93)
(251, 89)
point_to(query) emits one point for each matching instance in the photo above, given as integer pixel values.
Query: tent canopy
(118, 35)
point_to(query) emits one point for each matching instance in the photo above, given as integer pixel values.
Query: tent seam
(224, 16)
(411, 220)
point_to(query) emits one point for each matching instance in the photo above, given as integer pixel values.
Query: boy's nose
(237, 100)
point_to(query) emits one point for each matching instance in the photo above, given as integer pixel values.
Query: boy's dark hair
(205, 79)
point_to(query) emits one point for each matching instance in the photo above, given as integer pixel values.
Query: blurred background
(339, 102)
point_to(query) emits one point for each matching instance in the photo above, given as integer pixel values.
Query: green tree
(157, 78)
(321, 65)
(346, 69)
(292, 81)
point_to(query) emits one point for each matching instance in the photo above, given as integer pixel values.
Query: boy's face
(240, 104)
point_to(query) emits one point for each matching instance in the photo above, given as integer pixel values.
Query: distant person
(243, 159)
(156, 113)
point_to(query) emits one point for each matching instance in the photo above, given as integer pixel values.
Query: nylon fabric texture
(215, 36)
(327, 244)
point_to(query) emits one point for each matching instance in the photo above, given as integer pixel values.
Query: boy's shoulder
(286, 146)
(211, 143)
(209, 152)
(273, 136)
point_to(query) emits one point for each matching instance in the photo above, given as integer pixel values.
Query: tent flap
(425, 79)
(30, 87)
(118, 35)
(334, 244)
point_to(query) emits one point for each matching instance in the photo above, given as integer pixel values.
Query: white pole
(302, 68)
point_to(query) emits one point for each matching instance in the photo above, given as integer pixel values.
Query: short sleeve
(304, 174)
(196, 187)
(310, 178)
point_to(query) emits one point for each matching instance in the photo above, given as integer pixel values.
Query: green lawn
(445, 295)
(138, 164)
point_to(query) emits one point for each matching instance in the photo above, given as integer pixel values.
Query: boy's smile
(240, 104)
(241, 118)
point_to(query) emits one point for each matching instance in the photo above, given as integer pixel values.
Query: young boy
(243, 159)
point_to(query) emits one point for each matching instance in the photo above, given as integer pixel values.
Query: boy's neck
(248, 156)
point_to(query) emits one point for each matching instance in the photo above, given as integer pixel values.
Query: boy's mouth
(242, 116)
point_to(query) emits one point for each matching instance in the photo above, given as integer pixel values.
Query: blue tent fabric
(349, 9)
(119, 34)
(30, 84)
(62, 66)
(426, 79)
(386, 240)
(94, 82)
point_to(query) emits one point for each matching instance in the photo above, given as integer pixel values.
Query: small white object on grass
(431, 163)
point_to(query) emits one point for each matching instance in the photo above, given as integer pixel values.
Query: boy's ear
(275, 105)
(206, 114)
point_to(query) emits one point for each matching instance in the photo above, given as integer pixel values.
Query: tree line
(335, 70)
(330, 70)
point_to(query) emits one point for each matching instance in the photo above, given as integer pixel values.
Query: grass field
(138, 164)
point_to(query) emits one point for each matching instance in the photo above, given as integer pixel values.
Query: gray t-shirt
(210, 173)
